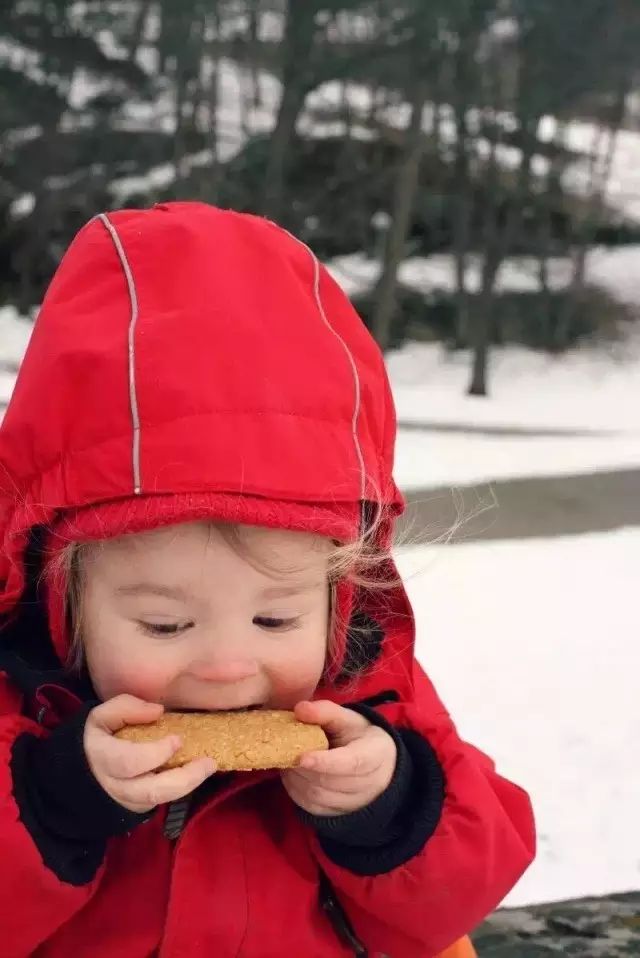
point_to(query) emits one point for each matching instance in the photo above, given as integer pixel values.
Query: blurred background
(469, 171)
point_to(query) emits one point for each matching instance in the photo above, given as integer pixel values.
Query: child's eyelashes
(165, 628)
(267, 622)
(275, 624)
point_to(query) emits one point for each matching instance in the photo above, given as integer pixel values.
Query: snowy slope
(430, 459)
(534, 648)
(14, 336)
(590, 400)
(237, 120)
(616, 270)
(588, 391)
(581, 138)
(587, 388)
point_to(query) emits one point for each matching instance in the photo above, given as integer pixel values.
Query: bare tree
(253, 39)
(405, 189)
(209, 73)
(139, 27)
(423, 61)
(466, 24)
(297, 79)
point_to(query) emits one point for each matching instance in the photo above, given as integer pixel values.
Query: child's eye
(273, 624)
(164, 628)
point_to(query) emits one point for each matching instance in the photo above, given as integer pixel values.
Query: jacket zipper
(339, 919)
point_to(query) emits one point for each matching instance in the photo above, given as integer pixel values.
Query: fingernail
(176, 742)
(210, 766)
(308, 761)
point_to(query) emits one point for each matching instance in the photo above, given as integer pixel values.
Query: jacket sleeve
(468, 837)
(33, 901)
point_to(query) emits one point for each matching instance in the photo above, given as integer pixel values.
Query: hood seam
(133, 397)
(354, 370)
(29, 479)
(352, 363)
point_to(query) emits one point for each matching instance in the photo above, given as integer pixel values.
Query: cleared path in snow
(540, 507)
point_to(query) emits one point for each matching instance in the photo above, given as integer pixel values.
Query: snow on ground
(614, 269)
(15, 331)
(237, 120)
(623, 186)
(587, 388)
(581, 138)
(461, 459)
(236, 123)
(533, 647)
(586, 392)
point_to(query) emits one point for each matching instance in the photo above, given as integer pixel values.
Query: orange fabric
(461, 949)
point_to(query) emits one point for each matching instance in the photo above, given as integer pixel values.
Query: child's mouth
(239, 708)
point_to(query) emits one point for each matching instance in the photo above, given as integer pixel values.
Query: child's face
(179, 616)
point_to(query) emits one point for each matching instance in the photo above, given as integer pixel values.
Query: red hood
(276, 392)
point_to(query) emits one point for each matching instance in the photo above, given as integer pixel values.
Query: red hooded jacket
(203, 362)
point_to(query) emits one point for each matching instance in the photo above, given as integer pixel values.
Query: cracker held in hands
(236, 741)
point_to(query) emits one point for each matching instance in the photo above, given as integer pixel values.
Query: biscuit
(236, 741)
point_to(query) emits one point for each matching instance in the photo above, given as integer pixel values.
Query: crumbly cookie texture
(236, 741)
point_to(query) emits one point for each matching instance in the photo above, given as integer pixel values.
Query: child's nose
(224, 670)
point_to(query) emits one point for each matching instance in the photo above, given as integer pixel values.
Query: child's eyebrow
(153, 588)
(286, 591)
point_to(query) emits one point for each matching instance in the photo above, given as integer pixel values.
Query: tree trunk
(491, 242)
(297, 45)
(212, 35)
(481, 327)
(599, 175)
(32, 250)
(179, 148)
(478, 384)
(461, 229)
(498, 240)
(464, 96)
(139, 25)
(253, 36)
(551, 192)
(406, 185)
(188, 66)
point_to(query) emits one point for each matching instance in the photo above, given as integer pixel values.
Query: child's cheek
(295, 682)
(144, 680)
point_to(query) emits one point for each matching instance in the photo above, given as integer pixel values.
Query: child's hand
(357, 768)
(125, 770)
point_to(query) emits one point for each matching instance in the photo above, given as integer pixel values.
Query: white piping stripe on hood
(133, 398)
(352, 363)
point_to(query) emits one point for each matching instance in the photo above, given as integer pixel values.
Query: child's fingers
(130, 759)
(360, 757)
(340, 784)
(150, 790)
(123, 710)
(341, 725)
(315, 799)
